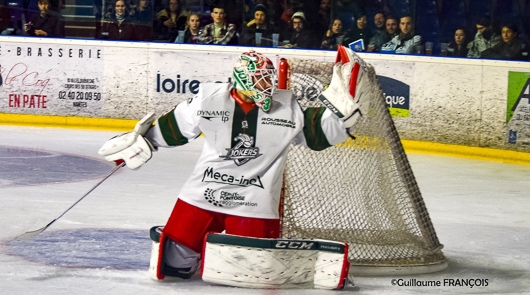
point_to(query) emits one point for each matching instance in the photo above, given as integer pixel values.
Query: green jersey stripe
(246, 123)
(170, 130)
(315, 136)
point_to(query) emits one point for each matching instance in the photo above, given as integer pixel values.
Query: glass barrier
(452, 28)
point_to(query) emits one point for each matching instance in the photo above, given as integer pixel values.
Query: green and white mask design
(255, 76)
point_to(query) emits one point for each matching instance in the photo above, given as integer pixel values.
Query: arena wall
(108, 85)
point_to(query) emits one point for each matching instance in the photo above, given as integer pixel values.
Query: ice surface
(479, 210)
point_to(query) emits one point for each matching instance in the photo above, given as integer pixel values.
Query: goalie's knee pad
(274, 263)
(169, 258)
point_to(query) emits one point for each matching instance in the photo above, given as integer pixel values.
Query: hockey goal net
(362, 191)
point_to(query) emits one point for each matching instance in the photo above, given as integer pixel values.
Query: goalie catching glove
(131, 147)
(347, 96)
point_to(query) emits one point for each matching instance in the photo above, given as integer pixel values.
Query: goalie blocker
(131, 148)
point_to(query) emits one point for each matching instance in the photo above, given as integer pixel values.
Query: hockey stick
(31, 234)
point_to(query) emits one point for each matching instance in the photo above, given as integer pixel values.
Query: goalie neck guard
(255, 76)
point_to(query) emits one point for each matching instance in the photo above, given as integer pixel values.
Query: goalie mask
(255, 76)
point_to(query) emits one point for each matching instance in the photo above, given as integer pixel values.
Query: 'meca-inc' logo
(243, 151)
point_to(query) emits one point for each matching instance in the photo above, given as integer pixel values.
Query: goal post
(362, 191)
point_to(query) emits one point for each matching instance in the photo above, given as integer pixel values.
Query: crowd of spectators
(283, 23)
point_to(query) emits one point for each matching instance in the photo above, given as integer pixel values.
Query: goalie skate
(170, 259)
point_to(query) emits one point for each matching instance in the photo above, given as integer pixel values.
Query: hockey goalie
(226, 223)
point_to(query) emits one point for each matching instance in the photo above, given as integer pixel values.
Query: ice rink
(479, 210)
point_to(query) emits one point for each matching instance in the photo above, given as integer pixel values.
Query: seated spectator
(274, 10)
(143, 17)
(193, 28)
(219, 32)
(406, 41)
(359, 31)
(119, 26)
(334, 36)
(484, 39)
(511, 47)
(458, 48)
(289, 8)
(169, 21)
(299, 35)
(259, 24)
(379, 23)
(382, 37)
(45, 23)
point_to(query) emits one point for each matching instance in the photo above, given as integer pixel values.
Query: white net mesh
(362, 191)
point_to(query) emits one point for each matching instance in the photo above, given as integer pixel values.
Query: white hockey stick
(31, 234)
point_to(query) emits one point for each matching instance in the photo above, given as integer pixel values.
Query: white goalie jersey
(240, 169)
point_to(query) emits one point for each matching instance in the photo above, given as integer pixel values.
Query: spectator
(169, 21)
(289, 8)
(143, 16)
(379, 23)
(359, 31)
(119, 26)
(193, 27)
(45, 23)
(512, 47)
(219, 32)
(458, 47)
(234, 10)
(260, 24)
(334, 36)
(406, 41)
(300, 35)
(274, 10)
(382, 37)
(484, 39)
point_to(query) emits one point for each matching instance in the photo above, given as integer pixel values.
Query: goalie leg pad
(169, 258)
(274, 263)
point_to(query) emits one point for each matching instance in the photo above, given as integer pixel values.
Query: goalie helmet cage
(362, 191)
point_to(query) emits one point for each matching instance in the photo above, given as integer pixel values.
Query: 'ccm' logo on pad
(294, 245)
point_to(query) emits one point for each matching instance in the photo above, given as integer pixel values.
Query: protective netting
(362, 191)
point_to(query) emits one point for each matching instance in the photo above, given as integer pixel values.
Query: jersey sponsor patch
(224, 198)
(210, 175)
(209, 115)
(278, 122)
(243, 151)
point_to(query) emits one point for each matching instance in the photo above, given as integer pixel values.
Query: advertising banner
(395, 85)
(51, 79)
(518, 108)
(175, 75)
